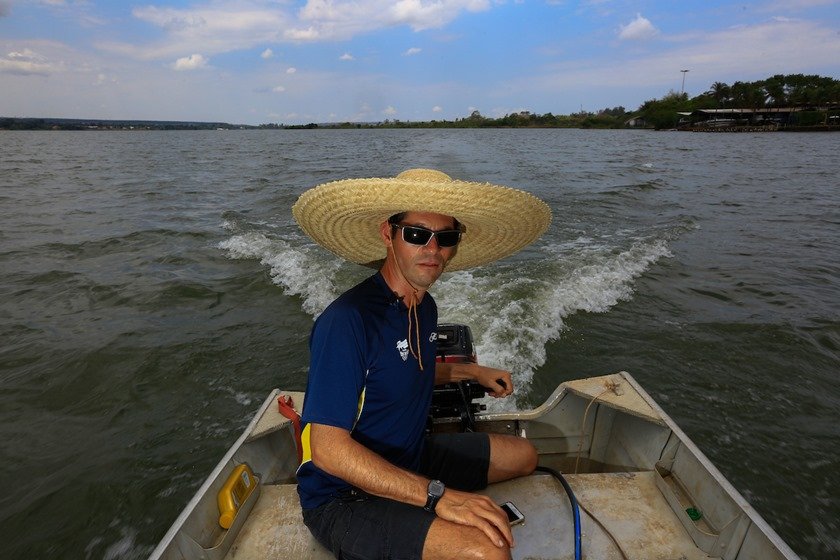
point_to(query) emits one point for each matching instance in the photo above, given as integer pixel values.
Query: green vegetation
(818, 93)
(816, 98)
(606, 118)
(11, 123)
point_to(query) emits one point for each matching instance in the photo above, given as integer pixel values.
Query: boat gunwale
(170, 536)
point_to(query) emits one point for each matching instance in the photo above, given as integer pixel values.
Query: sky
(292, 62)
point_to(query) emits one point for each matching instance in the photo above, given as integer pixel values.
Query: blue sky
(261, 61)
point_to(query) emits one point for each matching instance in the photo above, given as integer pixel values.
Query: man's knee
(511, 457)
(530, 458)
(492, 552)
(447, 540)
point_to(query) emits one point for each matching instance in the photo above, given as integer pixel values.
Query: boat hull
(637, 477)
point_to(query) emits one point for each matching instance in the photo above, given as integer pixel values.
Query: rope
(412, 313)
(609, 386)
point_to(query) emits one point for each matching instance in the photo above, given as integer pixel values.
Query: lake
(155, 288)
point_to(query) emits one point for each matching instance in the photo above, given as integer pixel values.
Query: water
(155, 287)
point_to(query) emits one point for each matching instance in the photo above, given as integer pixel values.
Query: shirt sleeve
(337, 368)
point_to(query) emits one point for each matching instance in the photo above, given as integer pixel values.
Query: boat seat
(275, 529)
(629, 504)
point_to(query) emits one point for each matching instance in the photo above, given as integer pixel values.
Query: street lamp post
(682, 90)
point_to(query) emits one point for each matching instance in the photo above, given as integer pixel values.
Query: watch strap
(435, 491)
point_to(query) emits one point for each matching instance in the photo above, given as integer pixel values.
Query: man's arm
(334, 451)
(486, 376)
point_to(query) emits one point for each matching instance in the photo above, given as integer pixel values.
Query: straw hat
(344, 216)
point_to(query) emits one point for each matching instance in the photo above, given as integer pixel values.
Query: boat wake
(296, 269)
(515, 308)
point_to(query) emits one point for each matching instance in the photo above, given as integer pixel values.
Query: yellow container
(233, 494)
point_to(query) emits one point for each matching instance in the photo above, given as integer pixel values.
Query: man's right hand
(477, 511)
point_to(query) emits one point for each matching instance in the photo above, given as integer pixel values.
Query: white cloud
(291, 70)
(278, 89)
(346, 56)
(389, 111)
(299, 35)
(192, 62)
(25, 54)
(102, 79)
(25, 62)
(437, 109)
(212, 27)
(412, 51)
(427, 15)
(267, 53)
(637, 30)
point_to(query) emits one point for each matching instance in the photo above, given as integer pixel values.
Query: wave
(514, 308)
(515, 311)
(297, 269)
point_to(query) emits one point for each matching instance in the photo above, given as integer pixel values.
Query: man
(371, 484)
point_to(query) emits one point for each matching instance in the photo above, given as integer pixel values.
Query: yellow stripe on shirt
(306, 436)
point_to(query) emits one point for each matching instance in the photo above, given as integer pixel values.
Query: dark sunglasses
(417, 235)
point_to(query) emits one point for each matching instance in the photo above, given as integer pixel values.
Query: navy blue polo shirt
(362, 378)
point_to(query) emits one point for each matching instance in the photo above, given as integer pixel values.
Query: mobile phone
(514, 515)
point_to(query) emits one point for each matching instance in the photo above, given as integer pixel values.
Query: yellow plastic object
(233, 494)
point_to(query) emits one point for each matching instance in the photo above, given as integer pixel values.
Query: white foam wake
(295, 269)
(514, 313)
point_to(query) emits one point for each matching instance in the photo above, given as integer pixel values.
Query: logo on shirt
(402, 348)
(433, 336)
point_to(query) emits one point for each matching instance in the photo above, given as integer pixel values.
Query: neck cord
(412, 311)
(413, 318)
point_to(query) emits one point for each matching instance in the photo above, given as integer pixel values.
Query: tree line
(818, 93)
(795, 90)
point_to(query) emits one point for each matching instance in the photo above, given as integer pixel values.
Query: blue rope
(573, 501)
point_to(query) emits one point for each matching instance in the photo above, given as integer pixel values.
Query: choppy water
(155, 287)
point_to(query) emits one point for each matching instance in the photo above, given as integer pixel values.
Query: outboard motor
(456, 400)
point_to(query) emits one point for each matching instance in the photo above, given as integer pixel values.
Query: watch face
(436, 488)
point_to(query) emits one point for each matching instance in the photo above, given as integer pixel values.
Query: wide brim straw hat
(344, 216)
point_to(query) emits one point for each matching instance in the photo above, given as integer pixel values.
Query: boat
(638, 487)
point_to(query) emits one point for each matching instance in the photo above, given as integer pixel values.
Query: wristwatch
(435, 490)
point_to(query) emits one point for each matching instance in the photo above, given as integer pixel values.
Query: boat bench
(629, 503)
(275, 529)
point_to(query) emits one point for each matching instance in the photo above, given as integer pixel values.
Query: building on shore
(760, 119)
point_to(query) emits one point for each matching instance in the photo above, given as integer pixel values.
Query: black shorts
(356, 526)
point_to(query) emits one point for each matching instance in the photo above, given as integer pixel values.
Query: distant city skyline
(267, 61)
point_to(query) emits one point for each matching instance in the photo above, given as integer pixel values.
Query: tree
(720, 92)
(774, 89)
(663, 113)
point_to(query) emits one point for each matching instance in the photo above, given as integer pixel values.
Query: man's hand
(489, 377)
(477, 511)
(486, 376)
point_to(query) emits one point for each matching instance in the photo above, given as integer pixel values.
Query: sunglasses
(417, 235)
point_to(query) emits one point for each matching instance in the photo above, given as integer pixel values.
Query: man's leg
(450, 541)
(471, 461)
(370, 527)
(510, 457)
